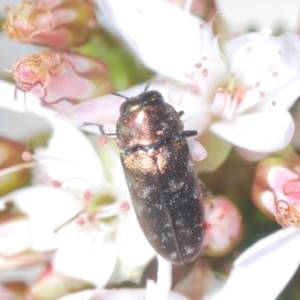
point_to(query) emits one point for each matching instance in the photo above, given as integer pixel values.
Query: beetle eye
(122, 108)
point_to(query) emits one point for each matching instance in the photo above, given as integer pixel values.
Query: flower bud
(55, 76)
(59, 24)
(276, 190)
(223, 226)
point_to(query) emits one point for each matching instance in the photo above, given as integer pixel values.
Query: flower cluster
(66, 216)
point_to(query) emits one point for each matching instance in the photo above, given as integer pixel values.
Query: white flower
(263, 270)
(243, 97)
(96, 229)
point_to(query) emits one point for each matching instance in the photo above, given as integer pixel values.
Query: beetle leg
(202, 185)
(108, 135)
(189, 133)
(180, 113)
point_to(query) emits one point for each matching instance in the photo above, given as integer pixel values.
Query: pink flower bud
(62, 76)
(276, 190)
(223, 226)
(60, 23)
(11, 155)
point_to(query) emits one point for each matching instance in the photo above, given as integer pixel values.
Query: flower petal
(15, 235)
(256, 58)
(165, 37)
(211, 67)
(217, 149)
(67, 145)
(263, 132)
(263, 270)
(26, 261)
(117, 294)
(197, 151)
(47, 208)
(286, 94)
(86, 255)
(133, 248)
(73, 156)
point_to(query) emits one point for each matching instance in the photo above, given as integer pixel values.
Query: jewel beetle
(166, 193)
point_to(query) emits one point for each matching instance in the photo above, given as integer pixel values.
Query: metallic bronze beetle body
(160, 174)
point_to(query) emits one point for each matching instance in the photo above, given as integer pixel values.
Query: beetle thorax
(148, 125)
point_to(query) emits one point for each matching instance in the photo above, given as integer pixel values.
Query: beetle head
(146, 98)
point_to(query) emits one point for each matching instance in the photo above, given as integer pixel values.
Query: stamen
(231, 84)
(80, 221)
(204, 72)
(55, 230)
(42, 157)
(72, 178)
(56, 184)
(87, 195)
(108, 211)
(7, 70)
(102, 140)
(27, 156)
(125, 206)
(17, 168)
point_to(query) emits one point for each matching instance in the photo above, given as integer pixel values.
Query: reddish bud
(66, 77)
(59, 24)
(223, 226)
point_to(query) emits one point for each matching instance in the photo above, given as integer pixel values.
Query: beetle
(166, 194)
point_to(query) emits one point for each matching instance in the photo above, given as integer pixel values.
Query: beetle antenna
(120, 95)
(146, 88)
